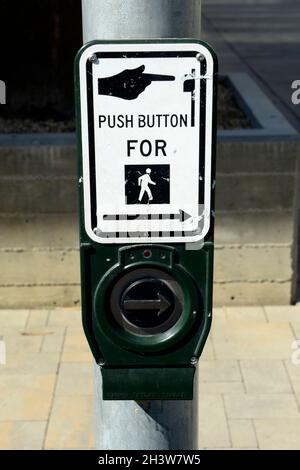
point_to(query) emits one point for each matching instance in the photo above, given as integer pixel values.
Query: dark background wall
(38, 42)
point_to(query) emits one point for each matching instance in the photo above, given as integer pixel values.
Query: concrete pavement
(249, 380)
(260, 37)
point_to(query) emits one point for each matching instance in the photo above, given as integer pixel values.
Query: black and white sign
(146, 124)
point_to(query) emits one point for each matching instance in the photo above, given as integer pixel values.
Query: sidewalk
(261, 38)
(249, 387)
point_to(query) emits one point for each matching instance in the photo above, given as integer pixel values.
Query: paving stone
(35, 339)
(219, 312)
(26, 397)
(219, 319)
(22, 342)
(76, 348)
(208, 352)
(265, 376)
(30, 363)
(242, 433)
(294, 371)
(278, 434)
(219, 388)
(258, 406)
(22, 435)
(75, 340)
(295, 325)
(283, 313)
(13, 318)
(78, 356)
(54, 342)
(213, 430)
(219, 371)
(37, 318)
(9, 331)
(248, 340)
(226, 448)
(249, 314)
(75, 379)
(71, 423)
(65, 317)
(261, 347)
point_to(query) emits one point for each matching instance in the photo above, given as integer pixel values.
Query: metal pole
(149, 425)
(133, 19)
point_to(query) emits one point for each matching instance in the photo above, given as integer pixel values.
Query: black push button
(146, 301)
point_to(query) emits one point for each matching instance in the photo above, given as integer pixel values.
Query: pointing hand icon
(129, 83)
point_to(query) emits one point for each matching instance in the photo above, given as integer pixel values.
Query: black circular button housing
(146, 301)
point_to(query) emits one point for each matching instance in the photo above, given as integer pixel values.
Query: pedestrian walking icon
(144, 182)
(147, 184)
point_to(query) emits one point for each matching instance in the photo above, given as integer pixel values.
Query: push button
(146, 301)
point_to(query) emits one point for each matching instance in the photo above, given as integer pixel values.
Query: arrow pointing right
(183, 216)
(161, 304)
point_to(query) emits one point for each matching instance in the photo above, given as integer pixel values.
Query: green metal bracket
(148, 384)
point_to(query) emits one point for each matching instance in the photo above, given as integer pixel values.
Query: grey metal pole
(149, 425)
(133, 19)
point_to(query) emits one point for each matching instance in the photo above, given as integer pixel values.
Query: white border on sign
(117, 47)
